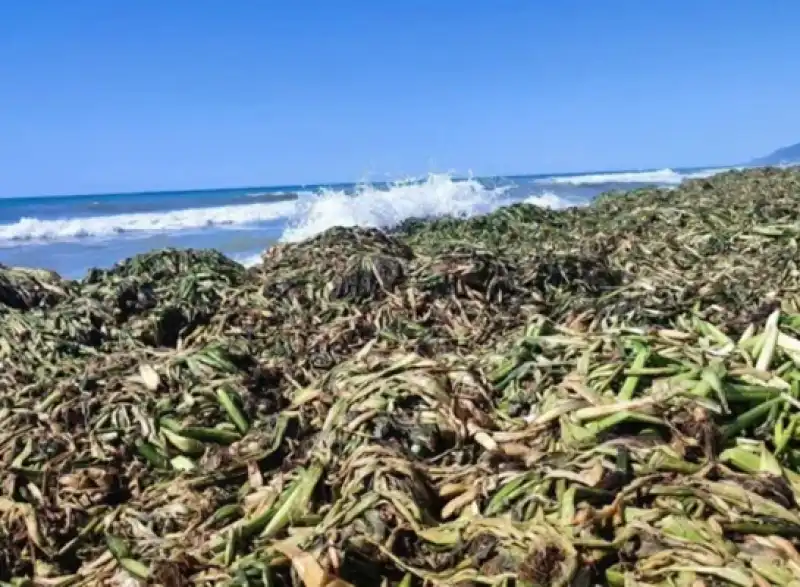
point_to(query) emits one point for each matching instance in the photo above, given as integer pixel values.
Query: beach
(446, 382)
(70, 234)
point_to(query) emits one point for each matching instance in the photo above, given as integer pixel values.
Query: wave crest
(310, 213)
(663, 176)
(384, 207)
(35, 229)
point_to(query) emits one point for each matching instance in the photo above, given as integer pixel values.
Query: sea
(71, 234)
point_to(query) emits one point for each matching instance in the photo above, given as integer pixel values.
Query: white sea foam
(369, 206)
(662, 176)
(386, 206)
(550, 200)
(439, 195)
(35, 229)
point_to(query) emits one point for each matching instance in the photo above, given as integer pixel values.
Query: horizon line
(454, 176)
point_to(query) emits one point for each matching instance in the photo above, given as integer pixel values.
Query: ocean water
(70, 234)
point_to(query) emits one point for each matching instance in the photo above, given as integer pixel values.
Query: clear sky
(99, 95)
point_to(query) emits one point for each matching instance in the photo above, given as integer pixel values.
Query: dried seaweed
(598, 396)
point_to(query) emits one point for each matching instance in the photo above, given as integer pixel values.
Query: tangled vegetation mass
(598, 396)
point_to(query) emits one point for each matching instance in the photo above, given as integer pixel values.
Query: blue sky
(101, 96)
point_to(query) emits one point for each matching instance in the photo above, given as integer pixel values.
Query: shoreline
(542, 395)
(72, 235)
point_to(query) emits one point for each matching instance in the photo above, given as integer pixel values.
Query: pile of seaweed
(599, 396)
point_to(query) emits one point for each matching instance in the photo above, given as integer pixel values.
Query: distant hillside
(790, 154)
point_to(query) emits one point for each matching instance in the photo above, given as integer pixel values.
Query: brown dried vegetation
(599, 396)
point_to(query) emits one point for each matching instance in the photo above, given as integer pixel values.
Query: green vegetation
(599, 396)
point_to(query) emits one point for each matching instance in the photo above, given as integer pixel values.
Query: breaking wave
(662, 176)
(310, 213)
(35, 229)
(381, 207)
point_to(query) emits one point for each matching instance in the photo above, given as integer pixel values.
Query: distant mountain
(790, 154)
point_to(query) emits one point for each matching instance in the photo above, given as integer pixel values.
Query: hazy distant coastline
(784, 156)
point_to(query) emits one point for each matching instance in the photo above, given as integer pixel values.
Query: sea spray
(303, 213)
(383, 207)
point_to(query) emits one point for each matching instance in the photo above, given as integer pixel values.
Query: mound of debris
(596, 396)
